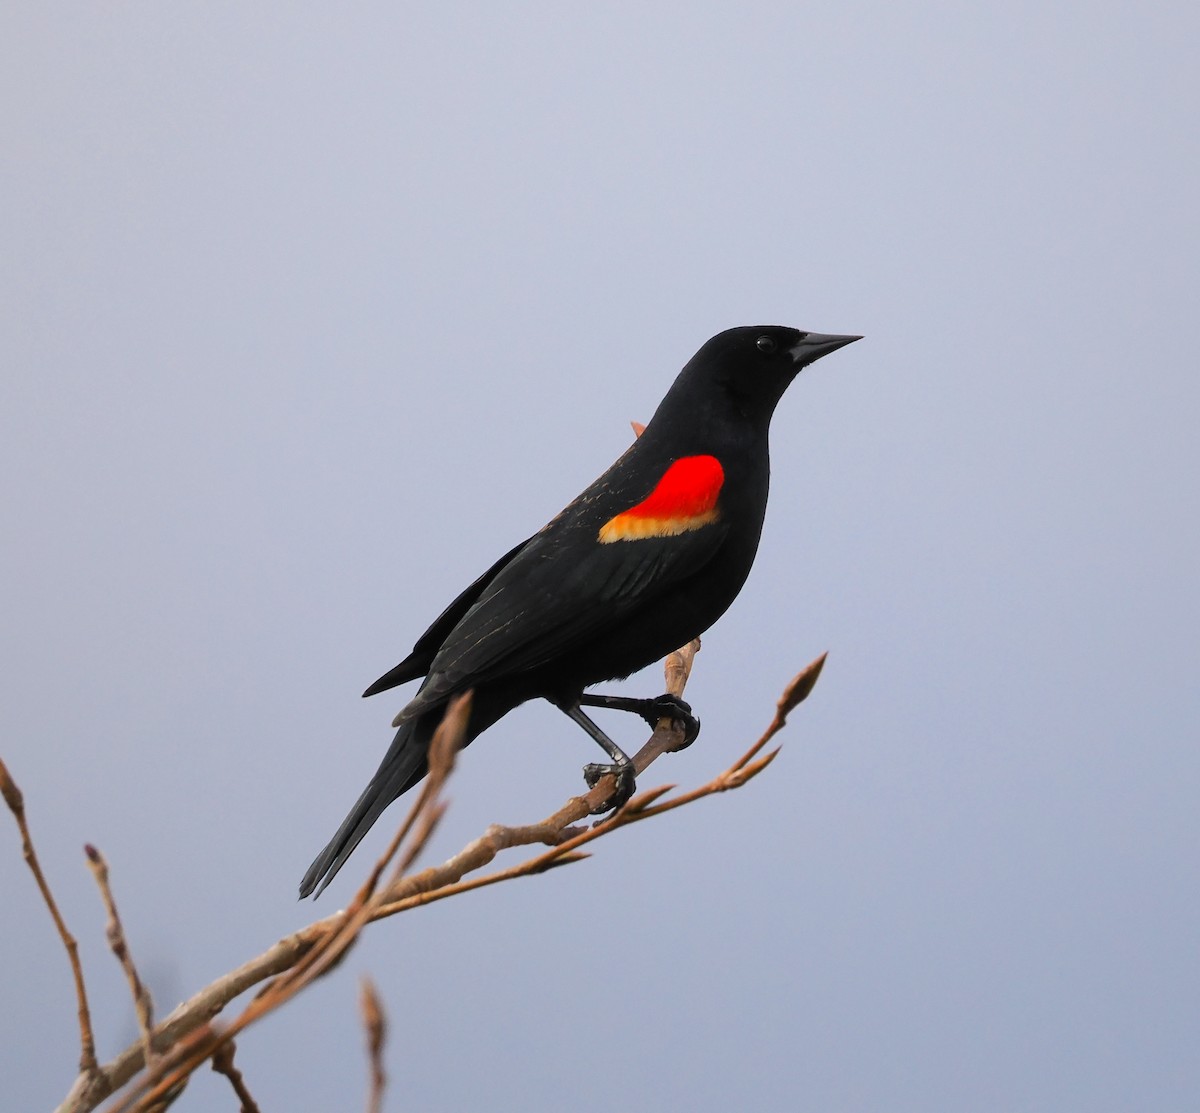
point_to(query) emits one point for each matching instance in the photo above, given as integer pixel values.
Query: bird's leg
(621, 767)
(665, 706)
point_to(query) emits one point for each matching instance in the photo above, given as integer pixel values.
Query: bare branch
(142, 1003)
(222, 1063)
(300, 958)
(190, 1020)
(375, 1023)
(89, 1069)
(794, 694)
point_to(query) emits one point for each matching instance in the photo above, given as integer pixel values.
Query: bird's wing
(553, 598)
(418, 661)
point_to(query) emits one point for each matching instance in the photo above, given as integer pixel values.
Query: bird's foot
(626, 783)
(668, 706)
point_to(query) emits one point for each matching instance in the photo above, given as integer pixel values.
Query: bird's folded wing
(418, 661)
(550, 600)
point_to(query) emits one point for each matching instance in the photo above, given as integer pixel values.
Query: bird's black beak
(814, 345)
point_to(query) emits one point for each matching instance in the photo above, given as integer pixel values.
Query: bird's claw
(626, 783)
(672, 707)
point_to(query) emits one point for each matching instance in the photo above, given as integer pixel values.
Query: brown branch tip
(375, 1024)
(89, 1068)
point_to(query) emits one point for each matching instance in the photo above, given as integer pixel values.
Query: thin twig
(89, 1068)
(447, 740)
(222, 1063)
(142, 1003)
(375, 1023)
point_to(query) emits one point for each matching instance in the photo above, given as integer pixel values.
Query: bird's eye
(765, 345)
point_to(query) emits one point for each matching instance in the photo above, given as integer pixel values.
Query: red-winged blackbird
(647, 558)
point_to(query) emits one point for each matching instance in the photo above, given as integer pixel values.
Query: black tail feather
(402, 767)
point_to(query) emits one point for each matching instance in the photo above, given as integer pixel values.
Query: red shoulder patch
(684, 499)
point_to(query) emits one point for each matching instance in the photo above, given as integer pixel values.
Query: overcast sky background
(311, 311)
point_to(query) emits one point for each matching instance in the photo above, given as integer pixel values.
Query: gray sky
(310, 312)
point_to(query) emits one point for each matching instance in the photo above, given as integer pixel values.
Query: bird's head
(743, 372)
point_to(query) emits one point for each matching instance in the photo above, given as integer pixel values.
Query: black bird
(647, 558)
